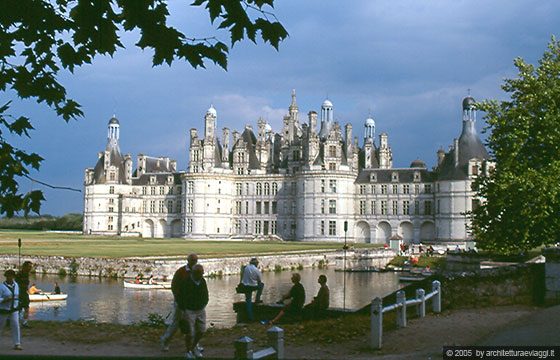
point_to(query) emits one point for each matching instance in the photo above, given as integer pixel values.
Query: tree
(522, 194)
(39, 38)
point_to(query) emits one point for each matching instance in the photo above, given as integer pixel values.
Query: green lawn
(43, 243)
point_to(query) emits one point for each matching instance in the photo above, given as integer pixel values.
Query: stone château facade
(302, 183)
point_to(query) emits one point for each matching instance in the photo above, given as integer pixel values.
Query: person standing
(177, 285)
(192, 301)
(9, 296)
(252, 281)
(22, 278)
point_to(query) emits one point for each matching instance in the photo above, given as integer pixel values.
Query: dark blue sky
(407, 63)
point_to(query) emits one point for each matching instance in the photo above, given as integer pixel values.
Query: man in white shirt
(9, 302)
(252, 280)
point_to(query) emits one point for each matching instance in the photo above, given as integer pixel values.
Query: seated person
(56, 288)
(320, 303)
(297, 294)
(34, 290)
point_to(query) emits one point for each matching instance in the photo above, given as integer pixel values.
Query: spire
(113, 133)
(293, 105)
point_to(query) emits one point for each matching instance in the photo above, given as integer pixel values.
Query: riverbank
(330, 339)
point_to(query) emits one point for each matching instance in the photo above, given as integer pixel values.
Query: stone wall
(552, 274)
(130, 267)
(365, 259)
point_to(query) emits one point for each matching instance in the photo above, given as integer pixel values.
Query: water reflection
(106, 300)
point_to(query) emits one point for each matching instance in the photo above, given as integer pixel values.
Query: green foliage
(62, 272)
(39, 39)
(155, 320)
(522, 207)
(74, 266)
(71, 221)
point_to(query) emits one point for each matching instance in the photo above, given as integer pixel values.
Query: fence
(377, 310)
(244, 346)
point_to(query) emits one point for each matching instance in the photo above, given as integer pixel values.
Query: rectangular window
(170, 190)
(247, 186)
(332, 151)
(428, 188)
(237, 226)
(169, 206)
(152, 190)
(274, 207)
(332, 206)
(383, 207)
(190, 187)
(189, 225)
(266, 207)
(179, 189)
(322, 186)
(190, 203)
(428, 207)
(416, 207)
(437, 207)
(362, 189)
(161, 205)
(395, 207)
(111, 209)
(274, 188)
(152, 206)
(267, 188)
(179, 207)
(112, 176)
(246, 207)
(332, 166)
(238, 207)
(373, 189)
(144, 190)
(406, 207)
(111, 201)
(384, 189)
(273, 227)
(406, 189)
(395, 189)
(322, 206)
(111, 189)
(238, 188)
(417, 189)
(322, 227)
(258, 207)
(332, 227)
(362, 207)
(257, 227)
(373, 212)
(293, 212)
(110, 219)
(109, 227)
(162, 190)
(144, 206)
(332, 186)
(259, 188)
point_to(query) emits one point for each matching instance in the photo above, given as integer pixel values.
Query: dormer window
(395, 176)
(416, 176)
(170, 179)
(373, 177)
(152, 179)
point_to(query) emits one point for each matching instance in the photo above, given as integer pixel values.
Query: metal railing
(244, 346)
(377, 310)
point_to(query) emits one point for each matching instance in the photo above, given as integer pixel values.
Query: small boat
(407, 277)
(144, 285)
(47, 296)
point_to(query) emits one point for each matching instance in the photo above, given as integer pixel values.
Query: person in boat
(252, 281)
(138, 279)
(151, 280)
(56, 288)
(318, 306)
(22, 278)
(9, 296)
(192, 301)
(297, 295)
(34, 290)
(177, 285)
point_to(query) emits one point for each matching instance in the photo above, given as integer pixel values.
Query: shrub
(62, 272)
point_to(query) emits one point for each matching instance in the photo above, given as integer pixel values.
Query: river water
(106, 300)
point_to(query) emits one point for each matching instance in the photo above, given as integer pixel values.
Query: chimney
(235, 134)
(456, 150)
(440, 156)
(225, 144)
(312, 122)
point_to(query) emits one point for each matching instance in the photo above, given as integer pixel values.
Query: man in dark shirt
(297, 294)
(22, 279)
(177, 285)
(192, 301)
(320, 303)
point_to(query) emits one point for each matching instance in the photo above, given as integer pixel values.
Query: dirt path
(421, 339)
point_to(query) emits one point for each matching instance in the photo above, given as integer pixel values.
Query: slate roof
(386, 176)
(115, 159)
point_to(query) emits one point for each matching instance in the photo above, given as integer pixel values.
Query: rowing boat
(146, 286)
(47, 296)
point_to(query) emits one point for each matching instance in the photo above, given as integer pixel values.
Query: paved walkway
(539, 328)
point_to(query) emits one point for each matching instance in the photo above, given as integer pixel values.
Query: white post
(243, 348)
(276, 340)
(401, 310)
(376, 323)
(421, 308)
(436, 300)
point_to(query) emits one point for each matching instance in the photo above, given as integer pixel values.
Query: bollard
(276, 340)
(376, 323)
(243, 348)
(436, 300)
(421, 308)
(401, 310)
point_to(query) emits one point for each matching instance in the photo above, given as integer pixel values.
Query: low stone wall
(552, 274)
(463, 261)
(129, 268)
(364, 259)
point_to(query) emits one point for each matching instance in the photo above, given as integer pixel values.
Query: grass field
(43, 243)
